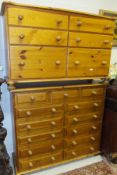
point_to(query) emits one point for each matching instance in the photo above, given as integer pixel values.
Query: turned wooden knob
(94, 127)
(20, 17)
(74, 153)
(79, 23)
(53, 110)
(29, 140)
(53, 123)
(78, 40)
(58, 62)
(94, 92)
(32, 98)
(23, 57)
(66, 95)
(53, 136)
(75, 119)
(21, 64)
(95, 104)
(106, 42)
(76, 107)
(53, 158)
(53, 147)
(59, 21)
(104, 62)
(28, 126)
(92, 138)
(92, 149)
(29, 152)
(58, 38)
(107, 27)
(74, 142)
(30, 164)
(75, 131)
(28, 113)
(77, 62)
(91, 69)
(21, 36)
(95, 116)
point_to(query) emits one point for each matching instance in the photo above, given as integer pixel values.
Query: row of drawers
(30, 36)
(56, 20)
(52, 62)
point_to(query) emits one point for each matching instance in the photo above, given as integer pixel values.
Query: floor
(69, 166)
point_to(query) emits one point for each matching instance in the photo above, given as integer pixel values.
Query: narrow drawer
(38, 18)
(88, 24)
(40, 149)
(49, 62)
(39, 127)
(30, 36)
(75, 142)
(40, 138)
(93, 92)
(87, 40)
(40, 161)
(81, 150)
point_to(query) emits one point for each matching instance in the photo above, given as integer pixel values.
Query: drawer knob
(93, 138)
(78, 40)
(58, 62)
(53, 110)
(91, 69)
(53, 136)
(75, 119)
(74, 153)
(29, 152)
(58, 38)
(79, 23)
(94, 127)
(20, 17)
(107, 27)
(75, 131)
(23, 57)
(76, 107)
(53, 147)
(104, 62)
(53, 123)
(21, 64)
(92, 149)
(21, 36)
(59, 21)
(77, 62)
(106, 41)
(95, 104)
(95, 116)
(53, 158)
(94, 92)
(32, 98)
(28, 113)
(30, 164)
(66, 95)
(28, 126)
(74, 142)
(29, 140)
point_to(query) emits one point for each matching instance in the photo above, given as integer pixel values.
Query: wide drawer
(79, 39)
(30, 36)
(37, 139)
(40, 149)
(81, 150)
(39, 127)
(89, 24)
(49, 62)
(36, 18)
(40, 161)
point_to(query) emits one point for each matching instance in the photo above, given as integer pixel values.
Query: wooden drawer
(38, 18)
(93, 92)
(81, 150)
(87, 40)
(39, 114)
(80, 118)
(49, 62)
(98, 61)
(32, 128)
(90, 139)
(40, 161)
(89, 24)
(40, 149)
(37, 139)
(30, 36)
(87, 128)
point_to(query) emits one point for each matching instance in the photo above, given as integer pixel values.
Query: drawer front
(93, 92)
(81, 150)
(41, 138)
(98, 62)
(88, 24)
(40, 149)
(40, 161)
(38, 18)
(90, 139)
(39, 127)
(87, 40)
(49, 62)
(30, 36)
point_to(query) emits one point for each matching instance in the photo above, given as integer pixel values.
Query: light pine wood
(30, 17)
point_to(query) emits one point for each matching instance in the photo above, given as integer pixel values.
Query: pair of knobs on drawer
(31, 164)
(105, 41)
(74, 142)
(76, 132)
(75, 153)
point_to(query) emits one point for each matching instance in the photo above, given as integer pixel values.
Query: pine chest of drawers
(56, 123)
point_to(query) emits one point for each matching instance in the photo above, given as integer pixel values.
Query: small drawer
(81, 150)
(40, 138)
(93, 92)
(87, 40)
(40, 149)
(88, 24)
(20, 35)
(40, 161)
(38, 18)
(90, 139)
(39, 127)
